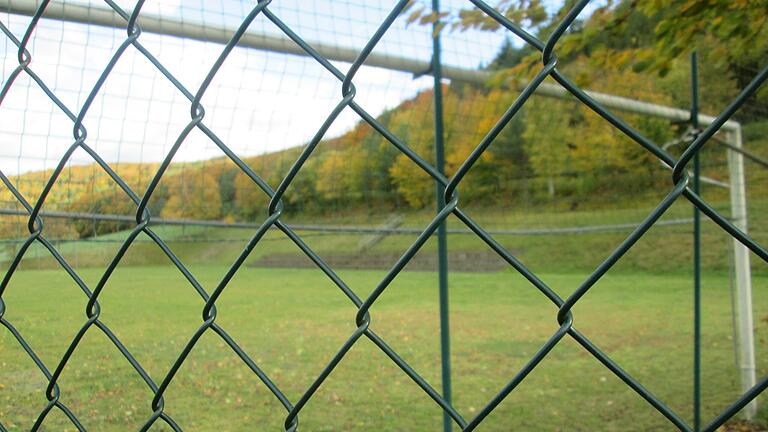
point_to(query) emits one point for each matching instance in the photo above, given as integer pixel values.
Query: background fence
(556, 184)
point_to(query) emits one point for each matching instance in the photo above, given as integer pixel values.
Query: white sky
(258, 102)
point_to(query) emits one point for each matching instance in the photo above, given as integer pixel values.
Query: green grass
(292, 322)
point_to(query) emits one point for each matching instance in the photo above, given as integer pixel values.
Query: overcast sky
(258, 102)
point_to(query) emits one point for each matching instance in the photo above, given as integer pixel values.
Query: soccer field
(292, 321)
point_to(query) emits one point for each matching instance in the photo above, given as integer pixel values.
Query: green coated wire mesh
(276, 189)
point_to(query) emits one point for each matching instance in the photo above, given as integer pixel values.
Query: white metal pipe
(745, 345)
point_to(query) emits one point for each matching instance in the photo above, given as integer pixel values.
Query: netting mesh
(171, 123)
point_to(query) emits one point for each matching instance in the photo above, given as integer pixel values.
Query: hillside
(359, 168)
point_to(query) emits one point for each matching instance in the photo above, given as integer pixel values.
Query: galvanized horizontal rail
(348, 229)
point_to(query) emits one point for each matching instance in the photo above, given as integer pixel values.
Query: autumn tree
(108, 201)
(413, 124)
(333, 175)
(548, 140)
(194, 196)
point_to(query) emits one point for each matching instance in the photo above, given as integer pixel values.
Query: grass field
(291, 322)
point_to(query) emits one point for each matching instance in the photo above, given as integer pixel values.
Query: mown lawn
(291, 322)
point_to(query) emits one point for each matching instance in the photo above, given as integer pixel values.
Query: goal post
(742, 269)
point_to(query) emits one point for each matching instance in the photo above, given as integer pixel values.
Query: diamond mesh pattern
(679, 187)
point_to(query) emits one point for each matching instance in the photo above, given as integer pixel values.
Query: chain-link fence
(133, 197)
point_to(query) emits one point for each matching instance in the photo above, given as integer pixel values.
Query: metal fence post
(696, 252)
(746, 342)
(442, 241)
